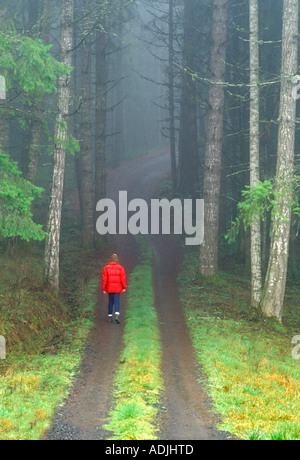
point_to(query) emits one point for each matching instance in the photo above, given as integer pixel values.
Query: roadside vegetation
(46, 338)
(138, 382)
(250, 375)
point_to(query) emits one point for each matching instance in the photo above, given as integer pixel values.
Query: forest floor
(186, 414)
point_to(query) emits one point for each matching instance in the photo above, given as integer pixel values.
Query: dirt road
(186, 415)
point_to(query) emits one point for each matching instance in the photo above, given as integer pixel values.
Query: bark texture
(87, 189)
(188, 141)
(213, 158)
(275, 284)
(256, 248)
(52, 252)
(171, 95)
(101, 113)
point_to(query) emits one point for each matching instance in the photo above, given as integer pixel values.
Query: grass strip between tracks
(138, 383)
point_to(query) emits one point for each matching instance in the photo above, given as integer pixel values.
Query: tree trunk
(256, 244)
(52, 253)
(171, 95)
(119, 145)
(188, 142)
(275, 284)
(101, 112)
(209, 252)
(77, 56)
(87, 182)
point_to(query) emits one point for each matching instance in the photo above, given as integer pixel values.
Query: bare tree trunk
(101, 112)
(119, 145)
(77, 56)
(188, 142)
(171, 94)
(256, 244)
(87, 182)
(52, 253)
(275, 284)
(209, 252)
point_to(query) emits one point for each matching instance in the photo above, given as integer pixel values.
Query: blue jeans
(114, 300)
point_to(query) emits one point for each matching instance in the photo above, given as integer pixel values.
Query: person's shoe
(110, 319)
(118, 319)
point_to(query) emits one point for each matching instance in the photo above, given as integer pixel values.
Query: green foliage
(27, 64)
(259, 202)
(16, 197)
(71, 145)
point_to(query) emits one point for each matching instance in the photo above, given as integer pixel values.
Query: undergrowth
(45, 338)
(247, 360)
(138, 383)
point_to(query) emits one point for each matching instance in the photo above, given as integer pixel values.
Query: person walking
(114, 284)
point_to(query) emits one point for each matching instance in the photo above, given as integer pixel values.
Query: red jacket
(113, 278)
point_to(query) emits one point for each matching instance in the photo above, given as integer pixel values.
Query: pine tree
(36, 127)
(101, 110)
(256, 269)
(87, 183)
(213, 157)
(188, 138)
(16, 197)
(275, 283)
(52, 252)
